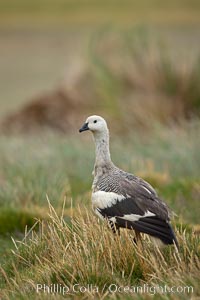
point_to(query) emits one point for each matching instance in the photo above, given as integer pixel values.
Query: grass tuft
(86, 251)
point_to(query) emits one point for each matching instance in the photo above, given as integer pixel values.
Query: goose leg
(114, 227)
(137, 238)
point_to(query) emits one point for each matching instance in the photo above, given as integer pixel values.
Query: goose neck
(102, 149)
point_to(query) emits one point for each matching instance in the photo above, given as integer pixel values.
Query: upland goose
(125, 200)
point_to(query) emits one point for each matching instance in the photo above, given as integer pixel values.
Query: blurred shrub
(129, 76)
(142, 81)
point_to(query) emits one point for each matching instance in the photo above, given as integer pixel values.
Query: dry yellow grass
(86, 252)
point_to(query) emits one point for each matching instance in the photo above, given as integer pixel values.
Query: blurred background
(131, 60)
(137, 63)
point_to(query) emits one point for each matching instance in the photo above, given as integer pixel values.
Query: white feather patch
(103, 199)
(146, 189)
(134, 217)
(113, 219)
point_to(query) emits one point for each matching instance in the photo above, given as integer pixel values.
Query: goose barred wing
(145, 197)
(137, 206)
(133, 197)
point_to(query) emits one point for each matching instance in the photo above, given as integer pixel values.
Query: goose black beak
(84, 127)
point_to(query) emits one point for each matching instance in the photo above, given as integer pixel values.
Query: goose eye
(95, 121)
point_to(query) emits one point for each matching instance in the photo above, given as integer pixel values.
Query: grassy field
(60, 167)
(141, 62)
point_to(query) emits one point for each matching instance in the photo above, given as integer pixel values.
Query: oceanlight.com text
(112, 289)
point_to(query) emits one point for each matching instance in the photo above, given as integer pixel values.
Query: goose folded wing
(140, 210)
(136, 202)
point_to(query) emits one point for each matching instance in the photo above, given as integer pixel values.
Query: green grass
(32, 168)
(59, 166)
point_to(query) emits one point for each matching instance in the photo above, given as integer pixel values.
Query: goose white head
(96, 124)
(99, 128)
